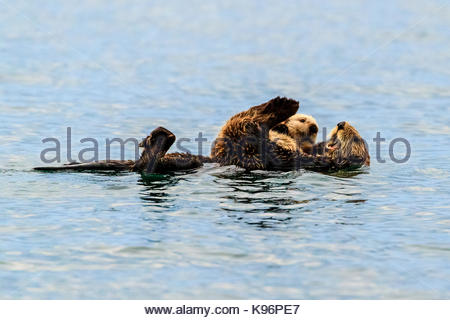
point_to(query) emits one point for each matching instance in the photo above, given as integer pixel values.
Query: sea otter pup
(345, 147)
(298, 132)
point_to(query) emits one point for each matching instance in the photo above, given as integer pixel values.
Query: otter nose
(341, 125)
(313, 129)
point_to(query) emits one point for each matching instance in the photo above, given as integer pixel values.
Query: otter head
(346, 145)
(302, 128)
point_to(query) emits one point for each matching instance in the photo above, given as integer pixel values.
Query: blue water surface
(119, 69)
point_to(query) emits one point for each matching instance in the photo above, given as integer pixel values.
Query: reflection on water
(154, 191)
(349, 173)
(253, 198)
(120, 69)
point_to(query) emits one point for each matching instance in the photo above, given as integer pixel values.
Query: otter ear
(281, 128)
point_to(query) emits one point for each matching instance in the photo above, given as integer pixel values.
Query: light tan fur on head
(346, 143)
(299, 132)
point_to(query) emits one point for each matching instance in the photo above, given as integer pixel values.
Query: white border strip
(235, 309)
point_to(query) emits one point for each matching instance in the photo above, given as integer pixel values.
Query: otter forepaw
(279, 109)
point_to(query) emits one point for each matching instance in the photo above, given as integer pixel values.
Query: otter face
(346, 143)
(300, 127)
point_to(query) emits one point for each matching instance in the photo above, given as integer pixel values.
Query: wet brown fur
(244, 140)
(244, 135)
(153, 158)
(346, 147)
(298, 132)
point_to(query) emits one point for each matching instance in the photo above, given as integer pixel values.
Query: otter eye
(302, 120)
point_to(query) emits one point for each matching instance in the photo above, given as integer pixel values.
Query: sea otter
(298, 132)
(245, 141)
(345, 147)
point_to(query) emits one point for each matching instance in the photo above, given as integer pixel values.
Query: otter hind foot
(155, 147)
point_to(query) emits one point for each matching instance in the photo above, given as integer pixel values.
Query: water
(119, 69)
